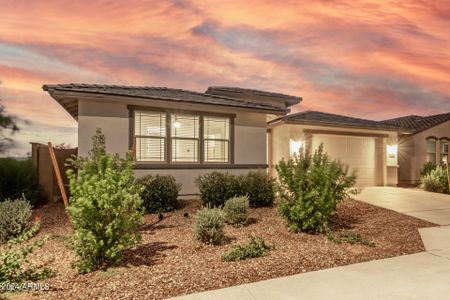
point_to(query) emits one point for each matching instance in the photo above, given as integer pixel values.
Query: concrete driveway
(432, 207)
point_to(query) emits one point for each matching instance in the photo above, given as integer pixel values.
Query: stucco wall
(113, 119)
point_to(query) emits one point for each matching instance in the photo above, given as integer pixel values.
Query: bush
(310, 188)
(14, 266)
(18, 178)
(427, 168)
(209, 223)
(14, 218)
(350, 237)
(436, 181)
(105, 207)
(215, 188)
(256, 247)
(236, 210)
(160, 193)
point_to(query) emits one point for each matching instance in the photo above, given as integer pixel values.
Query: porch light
(391, 151)
(294, 146)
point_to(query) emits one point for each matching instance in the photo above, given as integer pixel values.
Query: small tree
(105, 207)
(310, 188)
(7, 122)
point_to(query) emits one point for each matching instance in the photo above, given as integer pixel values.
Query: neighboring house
(174, 131)
(368, 147)
(428, 142)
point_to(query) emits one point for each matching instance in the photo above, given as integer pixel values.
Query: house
(173, 131)
(368, 147)
(427, 142)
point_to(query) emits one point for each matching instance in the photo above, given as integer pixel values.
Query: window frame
(168, 139)
(151, 137)
(442, 142)
(435, 140)
(205, 140)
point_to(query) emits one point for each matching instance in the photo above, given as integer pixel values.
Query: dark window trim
(168, 163)
(200, 166)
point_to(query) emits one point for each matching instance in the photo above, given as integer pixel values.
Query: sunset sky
(373, 59)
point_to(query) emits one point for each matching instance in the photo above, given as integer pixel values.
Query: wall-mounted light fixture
(391, 151)
(295, 146)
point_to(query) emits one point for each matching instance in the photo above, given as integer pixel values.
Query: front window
(190, 138)
(431, 150)
(444, 151)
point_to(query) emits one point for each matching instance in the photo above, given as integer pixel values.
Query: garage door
(360, 153)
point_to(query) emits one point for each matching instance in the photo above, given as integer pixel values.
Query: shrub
(14, 266)
(14, 218)
(436, 181)
(209, 223)
(18, 178)
(105, 207)
(160, 193)
(215, 188)
(256, 247)
(259, 187)
(427, 168)
(310, 188)
(350, 237)
(236, 210)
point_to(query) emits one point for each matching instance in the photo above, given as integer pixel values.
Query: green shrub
(349, 237)
(256, 247)
(14, 265)
(236, 210)
(209, 223)
(259, 187)
(427, 168)
(310, 188)
(436, 181)
(17, 178)
(105, 207)
(14, 218)
(216, 187)
(160, 193)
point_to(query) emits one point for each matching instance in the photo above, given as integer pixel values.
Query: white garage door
(360, 153)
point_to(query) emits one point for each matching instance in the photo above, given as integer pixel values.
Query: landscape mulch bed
(169, 262)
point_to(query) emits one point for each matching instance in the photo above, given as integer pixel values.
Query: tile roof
(155, 93)
(419, 123)
(321, 118)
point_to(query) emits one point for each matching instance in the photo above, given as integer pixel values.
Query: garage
(361, 153)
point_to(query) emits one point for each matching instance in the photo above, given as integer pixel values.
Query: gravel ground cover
(169, 262)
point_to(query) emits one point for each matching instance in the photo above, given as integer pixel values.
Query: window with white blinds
(185, 138)
(150, 136)
(216, 139)
(181, 138)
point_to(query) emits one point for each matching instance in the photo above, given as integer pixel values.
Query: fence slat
(58, 174)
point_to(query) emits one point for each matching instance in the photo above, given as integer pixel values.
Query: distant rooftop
(419, 123)
(59, 93)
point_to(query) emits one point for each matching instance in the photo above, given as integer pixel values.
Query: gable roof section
(310, 117)
(419, 123)
(58, 91)
(243, 93)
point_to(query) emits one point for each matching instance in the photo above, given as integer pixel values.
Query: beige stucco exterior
(413, 151)
(376, 142)
(113, 118)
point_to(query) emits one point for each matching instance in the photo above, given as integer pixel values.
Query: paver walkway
(423, 275)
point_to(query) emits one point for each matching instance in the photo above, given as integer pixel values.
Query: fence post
(57, 174)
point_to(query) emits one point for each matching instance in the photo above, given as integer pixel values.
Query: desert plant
(105, 207)
(216, 187)
(349, 237)
(436, 181)
(259, 187)
(310, 188)
(427, 168)
(160, 193)
(14, 218)
(236, 210)
(256, 247)
(17, 178)
(209, 223)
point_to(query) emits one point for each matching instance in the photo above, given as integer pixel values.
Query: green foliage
(427, 168)
(236, 210)
(160, 193)
(7, 122)
(256, 247)
(216, 187)
(15, 267)
(310, 188)
(349, 237)
(209, 223)
(105, 207)
(436, 181)
(14, 218)
(18, 178)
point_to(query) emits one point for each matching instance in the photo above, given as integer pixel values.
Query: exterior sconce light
(294, 146)
(391, 151)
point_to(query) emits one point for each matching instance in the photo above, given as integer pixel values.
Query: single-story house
(427, 142)
(173, 131)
